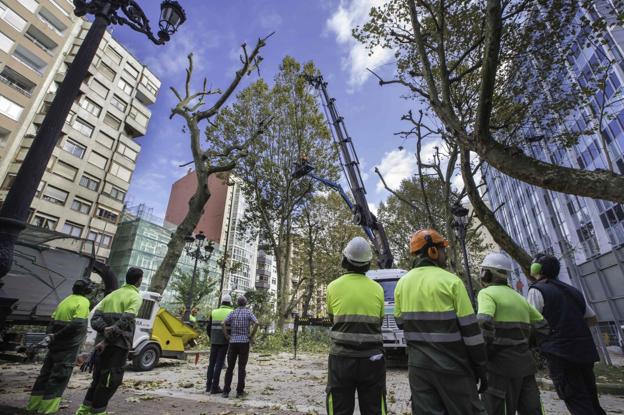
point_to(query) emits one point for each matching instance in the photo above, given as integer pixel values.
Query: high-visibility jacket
(69, 322)
(217, 316)
(357, 305)
(118, 310)
(509, 323)
(440, 326)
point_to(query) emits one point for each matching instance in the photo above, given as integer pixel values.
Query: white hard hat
(498, 264)
(358, 251)
(226, 299)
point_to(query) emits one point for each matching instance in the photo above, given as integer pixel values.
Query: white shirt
(536, 299)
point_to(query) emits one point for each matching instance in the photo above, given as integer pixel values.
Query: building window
(90, 182)
(65, 170)
(112, 121)
(12, 18)
(44, 221)
(131, 72)
(8, 181)
(10, 108)
(107, 215)
(106, 140)
(113, 54)
(74, 148)
(138, 116)
(55, 195)
(107, 71)
(117, 194)
(29, 59)
(102, 239)
(81, 206)
(99, 88)
(72, 229)
(127, 152)
(124, 86)
(119, 103)
(97, 160)
(6, 43)
(90, 106)
(149, 85)
(82, 126)
(121, 172)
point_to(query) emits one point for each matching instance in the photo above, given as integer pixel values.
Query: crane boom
(362, 214)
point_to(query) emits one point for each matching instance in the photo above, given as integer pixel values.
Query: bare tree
(220, 155)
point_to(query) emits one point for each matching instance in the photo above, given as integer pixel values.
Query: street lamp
(460, 224)
(194, 250)
(16, 206)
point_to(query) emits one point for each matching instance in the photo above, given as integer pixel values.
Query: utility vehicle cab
(393, 339)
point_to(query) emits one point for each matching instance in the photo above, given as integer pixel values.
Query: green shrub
(309, 340)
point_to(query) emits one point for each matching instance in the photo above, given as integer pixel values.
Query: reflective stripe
(357, 318)
(433, 337)
(501, 341)
(511, 325)
(467, 320)
(485, 317)
(426, 315)
(356, 337)
(216, 324)
(474, 340)
(330, 404)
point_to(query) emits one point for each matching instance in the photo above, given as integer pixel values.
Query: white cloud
(270, 20)
(396, 166)
(352, 13)
(373, 208)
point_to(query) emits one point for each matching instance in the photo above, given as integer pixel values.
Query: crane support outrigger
(362, 214)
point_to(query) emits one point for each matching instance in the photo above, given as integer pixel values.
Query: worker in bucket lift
(114, 321)
(445, 347)
(569, 348)
(65, 335)
(356, 361)
(510, 325)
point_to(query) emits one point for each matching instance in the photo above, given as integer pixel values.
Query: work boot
(216, 390)
(208, 388)
(241, 394)
(225, 394)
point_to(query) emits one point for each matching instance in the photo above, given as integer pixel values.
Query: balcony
(40, 40)
(29, 59)
(16, 81)
(51, 21)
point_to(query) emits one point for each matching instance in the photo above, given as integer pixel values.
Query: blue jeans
(217, 357)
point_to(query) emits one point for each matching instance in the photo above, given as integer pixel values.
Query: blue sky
(317, 30)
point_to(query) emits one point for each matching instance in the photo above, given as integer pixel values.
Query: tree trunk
(311, 282)
(176, 244)
(487, 218)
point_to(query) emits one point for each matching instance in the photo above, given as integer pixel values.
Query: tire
(147, 359)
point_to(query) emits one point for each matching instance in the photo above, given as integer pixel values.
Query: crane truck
(386, 275)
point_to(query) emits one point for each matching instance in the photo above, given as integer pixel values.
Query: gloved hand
(88, 364)
(481, 374)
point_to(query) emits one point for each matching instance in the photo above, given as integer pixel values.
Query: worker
(569, 350)
(218, 344)
(65, 335)
(114, 321)
(193, 317)
(355, 303)
(446, 352)
(510, 325)
(239, 322)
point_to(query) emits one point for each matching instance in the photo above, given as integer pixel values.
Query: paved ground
(276, 385)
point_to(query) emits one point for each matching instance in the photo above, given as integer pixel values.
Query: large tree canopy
(496, 74)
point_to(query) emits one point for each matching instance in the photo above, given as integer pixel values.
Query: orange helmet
(427, 238)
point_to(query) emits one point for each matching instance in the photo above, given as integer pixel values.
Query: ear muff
(432, 250)
(536, 269)
(486, 276)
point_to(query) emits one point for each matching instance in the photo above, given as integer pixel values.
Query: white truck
(393, 338)
(157, 334)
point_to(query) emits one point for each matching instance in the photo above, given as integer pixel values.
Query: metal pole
(16, 206)
(189, 298)
(462, 237)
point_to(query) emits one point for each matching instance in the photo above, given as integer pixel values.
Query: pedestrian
(510, 325)
(569, 349)
(355, 303)
(446, 352)
(218, 344)
(114, 321)
(240, 322)
(65, 335)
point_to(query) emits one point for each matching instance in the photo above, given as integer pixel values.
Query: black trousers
(507, 395)
(349, 374)
(55, 372)
(575, 384)
(217, 358)
(238, 351)
(108, 373)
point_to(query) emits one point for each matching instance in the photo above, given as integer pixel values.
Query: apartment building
(247, 266)
(83, 189)
(586, 234)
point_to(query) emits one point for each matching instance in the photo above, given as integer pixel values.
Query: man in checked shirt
(239, 322)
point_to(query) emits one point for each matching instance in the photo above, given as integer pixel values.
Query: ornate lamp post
(460, 224)
(15, 208)
(194, 250)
